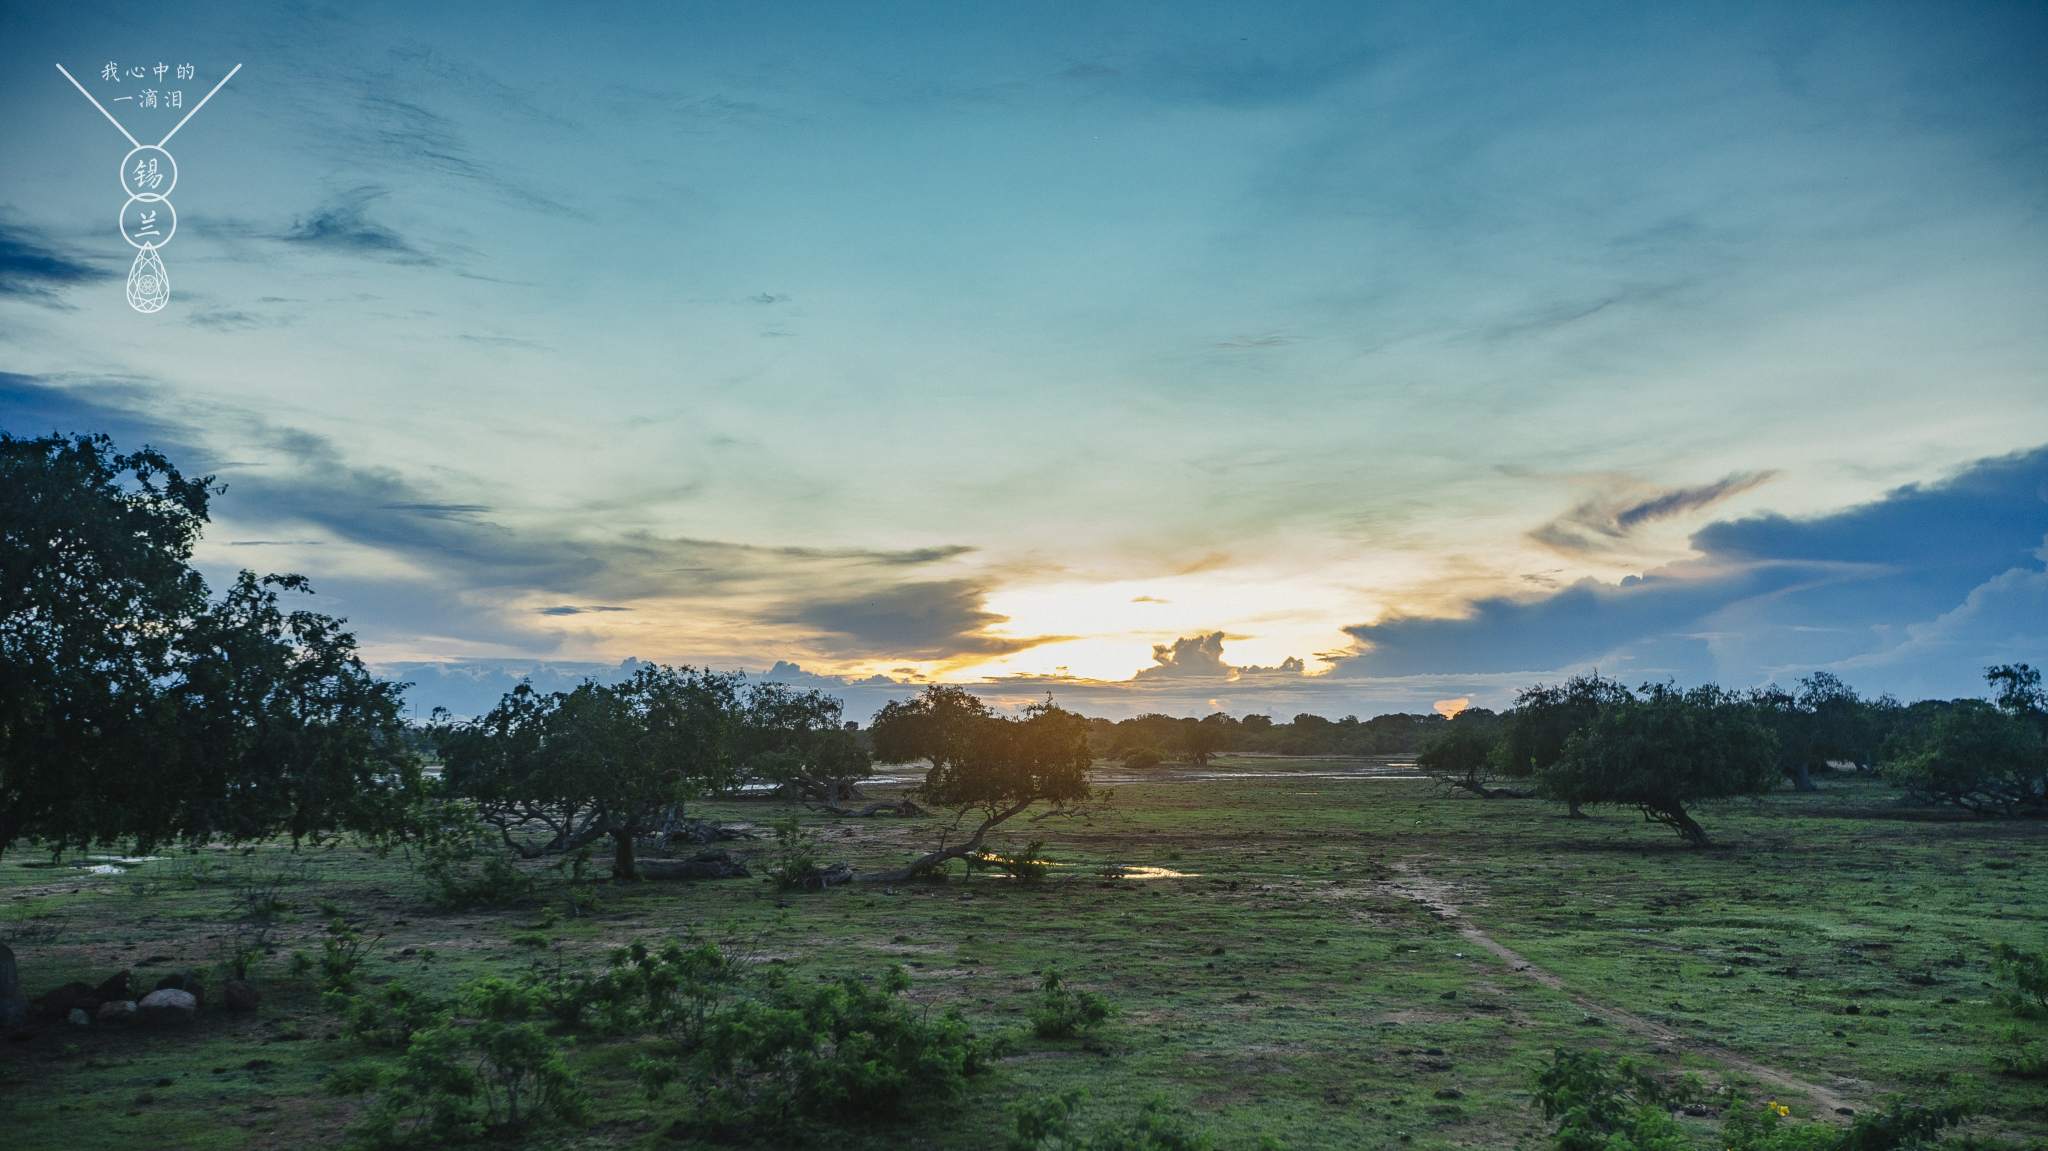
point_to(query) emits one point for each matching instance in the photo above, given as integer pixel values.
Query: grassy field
(1331, 961)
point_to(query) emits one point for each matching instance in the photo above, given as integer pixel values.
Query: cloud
(929, 620)
(343, 225)
(1188, 656)
(1202, 656)
(1601, 523)
(1916, 591)
(567, 610)
(32, 269)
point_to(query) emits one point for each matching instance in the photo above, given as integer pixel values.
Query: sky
(1317, 357)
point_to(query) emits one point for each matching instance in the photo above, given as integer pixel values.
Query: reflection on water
(107, 865)
(1124, 871)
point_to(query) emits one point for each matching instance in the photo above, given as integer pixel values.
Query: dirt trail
(1437, 896)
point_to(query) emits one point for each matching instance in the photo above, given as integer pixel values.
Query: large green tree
(795, 739)
(1664, 753)
(134, 708)
(1533, 735)
(981, 762)
(1988, 758)
(614, 760)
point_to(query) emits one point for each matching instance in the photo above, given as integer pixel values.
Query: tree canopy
(1664, 753)
(134, 708)
(983, 762)
(614, 760)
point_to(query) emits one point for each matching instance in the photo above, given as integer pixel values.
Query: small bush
(2028, 974)
(850, 1050)
(1047, 1124)
(1061, 1013)
(448, 861)
(2025, 1057)
(1143, 757)
(500, 1074)
(1598, 1108)
(341, 953)
(796, 851)
(389, 1017)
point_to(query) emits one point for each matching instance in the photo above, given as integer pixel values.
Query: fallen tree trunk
(714, 864)
(898, 807)
(946, 855)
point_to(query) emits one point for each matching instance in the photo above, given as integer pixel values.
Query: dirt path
(1438, 897)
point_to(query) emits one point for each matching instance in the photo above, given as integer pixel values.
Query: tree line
(137, 706)
(1664, 751)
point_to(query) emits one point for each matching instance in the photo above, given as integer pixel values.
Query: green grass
(1284, 987)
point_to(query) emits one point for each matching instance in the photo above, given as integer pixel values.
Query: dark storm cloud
(31, 267)
(1854, 588)
(1601, 523)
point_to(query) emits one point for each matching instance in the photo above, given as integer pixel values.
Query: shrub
(1047, 1124)
(448, 860)
(1598, 1108)
(1143, 757)
(672, 991)
(847, 1050)
(498, 1074)
(341, 952)
(2026, 1059)
(390, 1017)
(1061, 1012)
(796, 851)
(2028, 974)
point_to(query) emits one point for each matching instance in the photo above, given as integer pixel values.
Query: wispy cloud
(1605, 522)
(343, 225)
(33, 268)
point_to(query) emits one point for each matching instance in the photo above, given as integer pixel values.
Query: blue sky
(1413, 352)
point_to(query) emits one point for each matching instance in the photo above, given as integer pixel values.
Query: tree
(1664, 754)
(1989, 759)
(604, 759)
(132, 708)
(1198, 742)
(1462, 755)
(1544, 718)
(796, 740)
(1824, 722)
(982, 762)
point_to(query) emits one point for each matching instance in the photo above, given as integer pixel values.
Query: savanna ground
(1317, 971)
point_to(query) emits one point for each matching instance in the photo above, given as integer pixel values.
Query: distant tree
(796, 740)
(1462, 755)
(982, 762)
(1664, 754)
(1256, 722)
(614, 760)
(1825, 722)
(132, 708)
(1991, 759)
(1543, 720)
(2020, 694)
(1198, 742)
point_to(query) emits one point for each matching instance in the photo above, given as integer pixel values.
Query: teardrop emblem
(149, 286)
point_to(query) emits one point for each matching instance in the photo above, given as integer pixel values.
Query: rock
(1449, 1093)
(14, 1006)
(167, 1007)
(116, 987)
(78, 1018)
(241, 995)
(59, 1002)
(117, 1011)
(184, 981)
